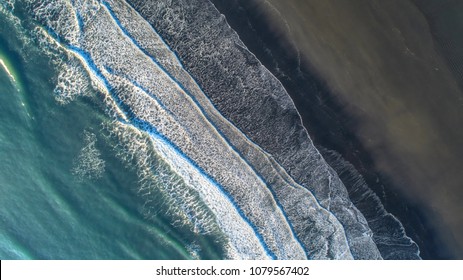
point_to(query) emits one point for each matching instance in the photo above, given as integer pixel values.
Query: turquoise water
(50, 210)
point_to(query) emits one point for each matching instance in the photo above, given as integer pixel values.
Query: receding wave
(389, 234)
(208, 127)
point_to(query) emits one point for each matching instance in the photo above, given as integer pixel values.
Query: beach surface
(392, 69)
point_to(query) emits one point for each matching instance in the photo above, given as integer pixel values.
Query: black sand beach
(372, 82)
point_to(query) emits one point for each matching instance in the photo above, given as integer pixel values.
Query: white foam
(72, 82)
(136, 147)
(88, 164)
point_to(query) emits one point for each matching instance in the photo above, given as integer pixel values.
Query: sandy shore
(383, 64)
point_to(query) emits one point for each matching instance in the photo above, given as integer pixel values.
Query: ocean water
(148, 130)
(64, 192)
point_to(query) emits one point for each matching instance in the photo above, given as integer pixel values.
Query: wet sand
(383, 95)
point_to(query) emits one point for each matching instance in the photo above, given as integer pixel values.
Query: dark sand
(393, 69)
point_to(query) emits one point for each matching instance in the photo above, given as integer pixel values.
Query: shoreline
(329, 124)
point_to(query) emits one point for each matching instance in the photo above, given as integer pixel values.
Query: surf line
(131, 118)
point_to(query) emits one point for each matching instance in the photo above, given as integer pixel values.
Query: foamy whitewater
(207, 127)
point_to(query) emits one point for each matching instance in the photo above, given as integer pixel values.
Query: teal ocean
(64, 192)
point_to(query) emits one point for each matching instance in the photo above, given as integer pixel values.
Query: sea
(197, 129)
(66, 190)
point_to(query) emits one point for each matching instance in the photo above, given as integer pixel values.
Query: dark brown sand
(383, 62)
